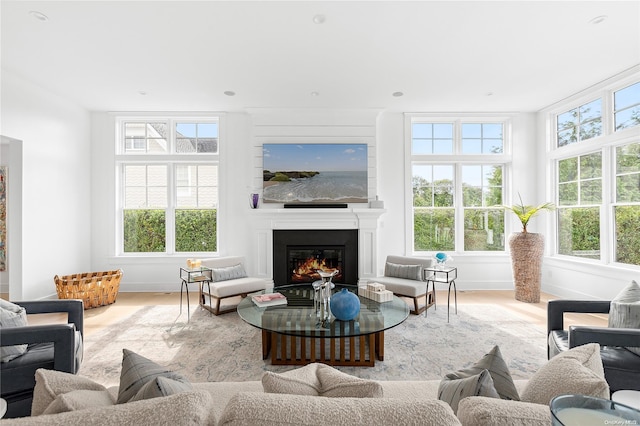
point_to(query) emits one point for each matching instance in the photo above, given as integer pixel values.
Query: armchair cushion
(12, 315)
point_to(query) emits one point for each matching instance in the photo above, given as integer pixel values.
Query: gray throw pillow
(228, 273)
(453, 391)
(12, 315)
(137, 371)
(409, 272)
(161, 386)
(497, 367)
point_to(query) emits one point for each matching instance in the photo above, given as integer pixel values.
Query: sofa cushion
(137, 371)
(12, 315)
(318, 379)
(79, 400)
(577, 371)
(483, 411)
(187, 408)
(452, 391)
(625, 310)
(249, 408)
(51, 383)
(407, 272)
(238, 286)
(498, 369)
(228, 273)
(404, 287)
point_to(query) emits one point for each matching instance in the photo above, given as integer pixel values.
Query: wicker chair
(94, 288)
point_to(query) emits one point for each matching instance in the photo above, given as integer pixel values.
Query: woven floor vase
(526, 260)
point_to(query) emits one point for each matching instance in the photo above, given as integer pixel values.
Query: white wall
(56, 213)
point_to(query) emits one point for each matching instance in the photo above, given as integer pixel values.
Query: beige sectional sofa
(320, 395)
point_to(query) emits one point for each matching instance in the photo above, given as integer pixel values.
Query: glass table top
(299, 317)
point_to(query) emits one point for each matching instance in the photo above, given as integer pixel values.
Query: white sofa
(400, 284)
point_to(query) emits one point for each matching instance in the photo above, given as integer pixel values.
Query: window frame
(171, 159)
(457, 159)
(606, 144)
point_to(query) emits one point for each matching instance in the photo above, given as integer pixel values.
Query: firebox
(298, 254)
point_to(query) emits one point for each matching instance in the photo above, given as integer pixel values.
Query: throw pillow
(50, 384)
(79, 400)
(409, 272)
(499, 371)
(161, 386)
(12, 315)
(228, 273)
(318, 379)
(571, 372)
(452, 391)
(137, 371)
(625, 310)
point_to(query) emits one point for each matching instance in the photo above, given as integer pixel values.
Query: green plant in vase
(527, 249)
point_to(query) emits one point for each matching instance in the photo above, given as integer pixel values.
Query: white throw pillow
(625, 310)
(318, 379)
(576, 371)
(50, 384)
(12, 315)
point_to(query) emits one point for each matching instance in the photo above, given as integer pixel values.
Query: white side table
(627, 397)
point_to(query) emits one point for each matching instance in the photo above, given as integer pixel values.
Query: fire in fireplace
(298, 254)
(305, 262)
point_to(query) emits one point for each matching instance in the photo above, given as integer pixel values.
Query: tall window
(627, 205)
(456, 181)
(169, 185)
(594, 222)
(579, 200)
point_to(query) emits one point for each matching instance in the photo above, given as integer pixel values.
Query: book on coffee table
(270, 299)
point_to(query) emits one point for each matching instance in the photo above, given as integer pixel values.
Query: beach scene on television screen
(315, 173)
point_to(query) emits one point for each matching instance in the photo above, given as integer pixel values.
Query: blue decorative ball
(345, 305)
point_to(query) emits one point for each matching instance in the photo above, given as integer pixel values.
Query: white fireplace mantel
(363, 219)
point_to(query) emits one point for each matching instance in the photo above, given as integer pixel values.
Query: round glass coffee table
(293, 335)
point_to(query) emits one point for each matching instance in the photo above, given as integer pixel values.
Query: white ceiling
(444, 55)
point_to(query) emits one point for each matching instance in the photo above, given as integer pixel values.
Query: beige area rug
(225, 348)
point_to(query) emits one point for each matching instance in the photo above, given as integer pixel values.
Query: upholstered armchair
(621, 366)
(50, 346)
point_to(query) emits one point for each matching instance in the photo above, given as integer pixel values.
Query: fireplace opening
(298, 254)
(305, 262)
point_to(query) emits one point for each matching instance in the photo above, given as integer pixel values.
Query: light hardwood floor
(98, 318)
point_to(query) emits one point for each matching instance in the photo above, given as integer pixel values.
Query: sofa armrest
(557, 308)
(605, 336)
(61, 335)
(73, 307)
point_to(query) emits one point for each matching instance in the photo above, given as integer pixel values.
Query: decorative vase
(527, 249)
(254, 200)
(345, 305)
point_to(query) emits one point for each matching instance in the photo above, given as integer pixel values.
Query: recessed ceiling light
(489, 94)
(319, 19)
(39, 15)
(315, 93)
(142, 93)
(598, 19)
(229, 93)
(397, 94)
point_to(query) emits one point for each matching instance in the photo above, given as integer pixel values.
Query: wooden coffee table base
(358, 351)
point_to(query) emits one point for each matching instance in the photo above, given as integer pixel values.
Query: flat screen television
(314, 173)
